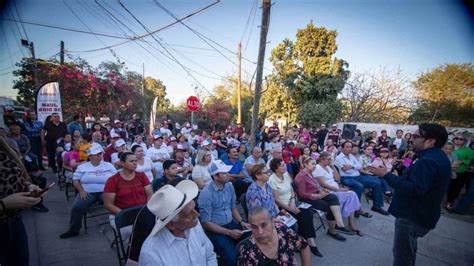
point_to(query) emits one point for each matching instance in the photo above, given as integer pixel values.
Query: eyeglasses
(458, 139)
(415, 136)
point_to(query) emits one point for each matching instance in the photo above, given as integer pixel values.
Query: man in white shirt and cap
(177, 237)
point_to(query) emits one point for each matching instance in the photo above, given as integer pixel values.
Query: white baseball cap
(95, 149)
(114, 135)
(119, 142)
(219, 166)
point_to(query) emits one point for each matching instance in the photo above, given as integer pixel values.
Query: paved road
(451, 243)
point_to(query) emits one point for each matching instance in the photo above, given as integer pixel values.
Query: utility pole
(239, 84)
(144, 93)
(261, 57)
(61, 53)
(31, 46)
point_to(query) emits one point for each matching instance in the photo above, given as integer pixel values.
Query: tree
(306, 70)
(314, 112)
(380, 97)
(156, 88)
(445, 95)
(108, 88)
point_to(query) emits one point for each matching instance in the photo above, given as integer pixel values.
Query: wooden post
(261, 57)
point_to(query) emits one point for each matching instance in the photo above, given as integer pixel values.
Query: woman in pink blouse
(310, 191)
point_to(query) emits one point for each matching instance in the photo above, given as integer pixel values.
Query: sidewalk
(451, 243)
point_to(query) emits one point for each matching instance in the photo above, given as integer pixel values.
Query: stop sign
(193, 103)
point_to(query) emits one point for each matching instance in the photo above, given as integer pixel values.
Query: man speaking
(418, 192)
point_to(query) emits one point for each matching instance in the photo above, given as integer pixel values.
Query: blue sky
(414, 36)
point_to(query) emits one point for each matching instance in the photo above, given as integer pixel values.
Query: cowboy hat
(168, 201)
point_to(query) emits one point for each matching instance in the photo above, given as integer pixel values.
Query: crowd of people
(193, 180)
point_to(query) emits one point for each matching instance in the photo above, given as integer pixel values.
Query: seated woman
(126, 189)
(144, 164)
(328, 177)
(201, 174)
(310, 191)
(383, 160)
(71, 159)
(120, 146)
(285, 197)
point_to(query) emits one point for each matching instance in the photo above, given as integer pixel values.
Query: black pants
(462, 179)
(51, 149)
(305, 223)
(36, 149)
(13, 243)
(324, 205)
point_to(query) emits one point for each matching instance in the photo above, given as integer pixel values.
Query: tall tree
(445, 95)
(308, 71)
(385, 96)
(156, 88)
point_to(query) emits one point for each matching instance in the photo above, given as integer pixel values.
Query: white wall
(392, 128)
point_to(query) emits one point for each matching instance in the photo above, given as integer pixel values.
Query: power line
(155, 31)
(8, 47)
(162, 46)
(19, 17)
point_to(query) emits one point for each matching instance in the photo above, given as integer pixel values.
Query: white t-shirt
(166, 131)
(156, 154)
(327, 175)
(146, 168)
(141, 144)
(201, 172)
(397, 142)
(93, 178)
(114, 157)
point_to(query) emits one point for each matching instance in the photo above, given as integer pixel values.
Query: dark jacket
(419, 191)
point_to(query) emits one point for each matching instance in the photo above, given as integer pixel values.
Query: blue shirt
(33, 130)
(73, 126)
(251, 161)
(236, 167)
(256, 197)
(215, 205)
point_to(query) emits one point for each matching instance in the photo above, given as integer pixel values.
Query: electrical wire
(155, 31)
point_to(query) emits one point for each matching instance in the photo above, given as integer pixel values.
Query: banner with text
(48, 101)
(153, 115)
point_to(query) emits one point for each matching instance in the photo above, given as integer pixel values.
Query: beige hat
(168, 201)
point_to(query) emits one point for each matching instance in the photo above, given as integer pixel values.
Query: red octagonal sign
(193, 103)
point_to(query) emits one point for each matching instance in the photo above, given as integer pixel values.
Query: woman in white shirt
(328, 177)
(201, 174)
(285, 197)
(144, 164)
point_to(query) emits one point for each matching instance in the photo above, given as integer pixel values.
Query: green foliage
(445, 95)
(313, 113)
(156, 88)
(305, 72)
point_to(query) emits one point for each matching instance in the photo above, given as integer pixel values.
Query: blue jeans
(224, 245)
(79, 208)
(405, 241)
(464, 204)
(13, 242)
(359, 183)
(385, 186)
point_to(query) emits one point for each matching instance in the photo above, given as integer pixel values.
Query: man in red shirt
(111, 148)
(239, 129)
(274, 130)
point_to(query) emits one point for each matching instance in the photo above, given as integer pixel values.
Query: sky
(414, 36)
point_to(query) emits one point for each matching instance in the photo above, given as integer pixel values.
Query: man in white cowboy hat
(217, 206)
(177, 237)
(89, 180)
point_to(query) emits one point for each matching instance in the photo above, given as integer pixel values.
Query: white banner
(153, 115)
(48, 101)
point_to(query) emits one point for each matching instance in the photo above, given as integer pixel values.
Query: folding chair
(141, 229)
(320, 214)
(123, 219)
(93, 213)
(243, 203)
